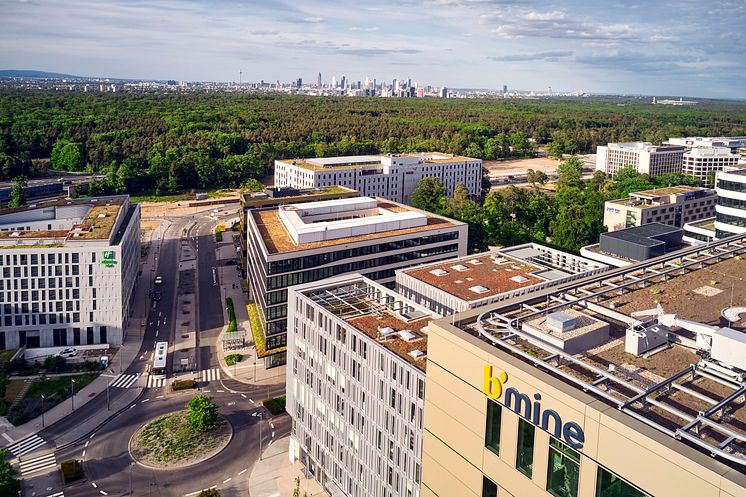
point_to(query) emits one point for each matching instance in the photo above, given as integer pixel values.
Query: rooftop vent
(438, 272)
(479, 289)
(459, 267)
(416, 354)
(519, 279)
(475, 262)
(560, 321)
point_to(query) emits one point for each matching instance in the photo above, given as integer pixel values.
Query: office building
(624, 247)
(691, 142)
(730, 217)
(443, 92)
(674, 205)
(643, 157)
(356, 388)
(306, 242)
(392, 176)
(704, 162)
(274, 197)
(68, 272)
(618, 384)
(456, 285)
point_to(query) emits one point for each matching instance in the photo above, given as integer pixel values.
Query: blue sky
(666, 47)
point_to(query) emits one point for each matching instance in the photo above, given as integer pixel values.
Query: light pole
(42, 410)
(108, 404)
(260, 435)
(72, 392)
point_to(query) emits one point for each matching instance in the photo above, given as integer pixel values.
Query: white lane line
(86, 444)
(91, 435)
(242, 472)
(270, 443)
(244, 396)
(273, 434)
(94, 484)
(143, 401)
(103, 493)
(159, 397)
(156, 332)
(133, 405)
(272, 425)
(6, 437)
(227, 480)
(220, 391)
(251, 400)
(83, 453)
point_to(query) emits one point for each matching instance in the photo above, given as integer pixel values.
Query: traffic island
(170, 441)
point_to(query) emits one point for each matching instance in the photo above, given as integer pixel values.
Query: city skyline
(626, 48)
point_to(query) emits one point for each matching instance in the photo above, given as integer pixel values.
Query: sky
(650, 47)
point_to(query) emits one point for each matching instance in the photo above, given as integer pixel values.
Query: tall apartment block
(68, 272)
(392, 177)
(674, 205)
(704, 162)
(644, 157)
(357, 356)
(306, 242)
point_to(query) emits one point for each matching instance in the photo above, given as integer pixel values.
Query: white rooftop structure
(341, 218)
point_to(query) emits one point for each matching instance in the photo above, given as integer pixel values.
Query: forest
(167, 143)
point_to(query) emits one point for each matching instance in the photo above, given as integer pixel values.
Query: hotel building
(643, 157)
(617, 384)
(357, 356)
(456, 285)
(704, 162)
(673, 205)
(301, 243)
(392, 176)
(67, 272)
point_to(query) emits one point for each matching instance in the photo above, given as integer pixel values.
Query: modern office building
(618, 384)
(675, 205)
(704, 162)
(456, 285)
(392, 176)
(690, 142)
(624, 247)
(730, 217)
(644, 157)
(301, 243)
(357, 356)
(68, 272)
(274, 197)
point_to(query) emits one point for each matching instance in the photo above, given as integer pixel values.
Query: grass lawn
(13, 388)
(256, 326)
(6, 355)
(162, 198)
(59, 385)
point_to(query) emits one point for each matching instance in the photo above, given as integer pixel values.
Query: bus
(159, 362)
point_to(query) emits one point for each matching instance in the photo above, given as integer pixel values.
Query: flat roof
(386, 317)
(277, 239)
(698, 284)
(644, 234)
(250, 200)
(669, 190)
(706, 224)
(355, 161)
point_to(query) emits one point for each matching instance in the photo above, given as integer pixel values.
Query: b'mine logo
(109, 259)
(493, 386)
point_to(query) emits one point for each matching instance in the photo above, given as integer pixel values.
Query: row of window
(564, 463)
(59, 258)
(733, 186)
(732, 220)
(732, 203)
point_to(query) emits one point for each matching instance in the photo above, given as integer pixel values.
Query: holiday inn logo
(108, 259)
(520, 403)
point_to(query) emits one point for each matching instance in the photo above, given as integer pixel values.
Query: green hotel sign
(108, 259)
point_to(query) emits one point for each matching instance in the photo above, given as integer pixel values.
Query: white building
(704, 162)
(459, 284)
(730, 217)
(393, 176)
(68, 272)
(644, 157)
(731, 142)
(306, 242)
(356, 388)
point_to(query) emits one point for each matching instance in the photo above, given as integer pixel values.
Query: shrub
(232, 359)
(9, 485)
(275, 405)
(202, 413)
(232, 324)
(183, 385)
(71, 470)
(209, 492)
(55, 364)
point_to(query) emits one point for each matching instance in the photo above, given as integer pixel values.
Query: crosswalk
(211, 374)
(125, 380)
(156, 382)
(28, 444)
(47, 462)
(58, 494)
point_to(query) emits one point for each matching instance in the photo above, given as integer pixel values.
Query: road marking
(133, 405)
(220, 391)
(86, 444)
(159, 397)
(94, 484)
(58, 494)
(242, 472)
(26, 445)
(273, 434)
(244, 396)
(143, 401)
(124, 380)
(156, 332)
(91, 435)
(103, 493)
(156, 382)
(272, 425)
(211, 374)
(270, 443)
(6, 437)
(227, 480)
(41, 463)
(83, 453)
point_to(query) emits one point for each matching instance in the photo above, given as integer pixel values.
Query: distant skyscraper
(299, 83)
(334, 82)
(344, 82)
(505, 88)
(319, 82)
(444, 92)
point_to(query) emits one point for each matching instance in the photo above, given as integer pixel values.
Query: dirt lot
(517, 166)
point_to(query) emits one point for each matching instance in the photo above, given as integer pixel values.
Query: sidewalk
(120, 361)
(274, 475)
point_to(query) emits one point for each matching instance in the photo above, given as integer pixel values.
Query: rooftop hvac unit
(729, 348)
(644, 337)
(560, 321)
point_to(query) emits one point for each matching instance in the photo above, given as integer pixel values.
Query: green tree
(710, 181)
(209, 492)
(9, 485)
(17, 197)
(534, 177)
(68, 156)
(429, 195)
(252, 185)
(202, 413)
(569, 231)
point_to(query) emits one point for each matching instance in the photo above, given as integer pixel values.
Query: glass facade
(489, 489)
(492, 432)
(525, 459)
(733, 203)
(610, 485)
(563, 470)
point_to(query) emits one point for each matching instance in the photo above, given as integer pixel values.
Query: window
(525, 460)
(564, 470)
(610, 485)
(489, 489)
(492, 435)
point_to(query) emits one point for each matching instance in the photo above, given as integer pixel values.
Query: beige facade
(643, 157)
(455, 458)
(673, 206)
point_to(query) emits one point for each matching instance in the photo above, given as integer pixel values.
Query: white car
(68, 352)
(158, 280)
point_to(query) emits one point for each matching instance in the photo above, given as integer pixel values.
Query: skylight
(438, 272)
(479, 289)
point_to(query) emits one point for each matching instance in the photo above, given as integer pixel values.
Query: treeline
(569, 219)
(164, 143)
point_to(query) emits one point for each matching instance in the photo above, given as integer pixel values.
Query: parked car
(158, 280)
(68, 352)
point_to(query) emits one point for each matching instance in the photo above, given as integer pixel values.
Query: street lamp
(108, 382)
(42, 410)
(72, 392)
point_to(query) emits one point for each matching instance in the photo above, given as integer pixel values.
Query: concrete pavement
(274, 475)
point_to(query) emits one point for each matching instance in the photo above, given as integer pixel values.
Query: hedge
(71, 470)
(232, 324)
(183, 385)
(275, 405)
